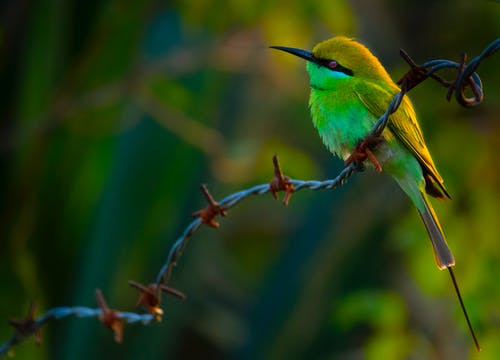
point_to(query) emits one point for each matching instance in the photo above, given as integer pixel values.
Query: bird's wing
(403, 124)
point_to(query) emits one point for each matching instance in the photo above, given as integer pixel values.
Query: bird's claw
(363, 151)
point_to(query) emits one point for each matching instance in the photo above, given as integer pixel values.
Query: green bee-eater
(350, 90)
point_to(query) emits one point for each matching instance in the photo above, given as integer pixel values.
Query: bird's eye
(332, 64)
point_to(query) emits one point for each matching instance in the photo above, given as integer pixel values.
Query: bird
(349, 90)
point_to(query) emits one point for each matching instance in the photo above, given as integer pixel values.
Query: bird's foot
(363, 151)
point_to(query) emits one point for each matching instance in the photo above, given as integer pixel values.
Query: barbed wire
(111, 318)
(78, 311)
(150, 295)
(228, 202)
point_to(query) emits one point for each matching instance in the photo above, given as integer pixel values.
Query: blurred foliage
(113, 112)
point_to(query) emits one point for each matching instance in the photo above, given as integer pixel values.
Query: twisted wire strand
(232, 200)
(466, 76)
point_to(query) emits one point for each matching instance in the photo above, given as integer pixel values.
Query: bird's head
(339, 58)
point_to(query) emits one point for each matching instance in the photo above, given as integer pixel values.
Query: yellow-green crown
(352, 55)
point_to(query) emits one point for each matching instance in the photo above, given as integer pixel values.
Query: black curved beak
(304, 54)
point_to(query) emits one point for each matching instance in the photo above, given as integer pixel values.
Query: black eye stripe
(338, 67)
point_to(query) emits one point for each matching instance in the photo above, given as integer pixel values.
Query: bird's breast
(340, 119)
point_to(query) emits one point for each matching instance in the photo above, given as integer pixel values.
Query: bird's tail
(444, 257)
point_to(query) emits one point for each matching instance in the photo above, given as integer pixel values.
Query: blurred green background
(114, 112)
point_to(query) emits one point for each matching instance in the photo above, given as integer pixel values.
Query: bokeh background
(114, 112)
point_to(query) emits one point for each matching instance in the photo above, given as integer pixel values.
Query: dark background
(114, 112)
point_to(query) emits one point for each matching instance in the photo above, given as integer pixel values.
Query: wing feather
(403, 124)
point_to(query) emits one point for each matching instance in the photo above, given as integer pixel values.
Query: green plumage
(350, 90)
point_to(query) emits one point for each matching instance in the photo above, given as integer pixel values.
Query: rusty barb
(28, 326)
(151, 299)
(109, 317)
(414, 76)
(280, 182)
(212, 210)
